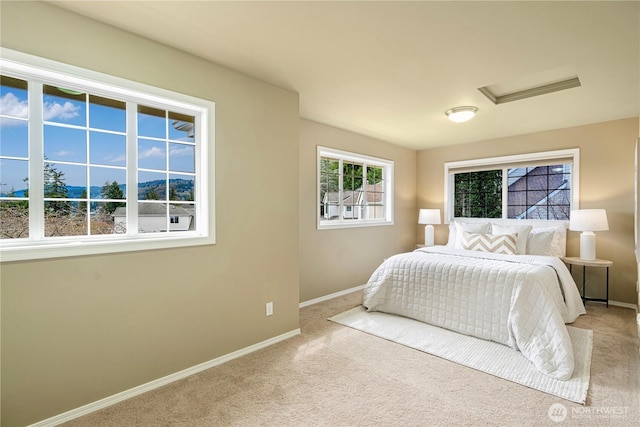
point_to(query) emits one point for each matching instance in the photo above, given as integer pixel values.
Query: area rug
(486, 356)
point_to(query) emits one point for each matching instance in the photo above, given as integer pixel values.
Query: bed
(493, 280)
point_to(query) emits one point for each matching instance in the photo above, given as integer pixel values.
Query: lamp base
(588, 246)
(428, 235)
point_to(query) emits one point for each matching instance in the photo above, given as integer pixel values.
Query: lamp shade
(429, 216)
(588, 220)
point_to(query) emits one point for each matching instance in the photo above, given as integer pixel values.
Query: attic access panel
(492, 92)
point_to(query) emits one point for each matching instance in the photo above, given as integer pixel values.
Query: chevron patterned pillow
(501, 244)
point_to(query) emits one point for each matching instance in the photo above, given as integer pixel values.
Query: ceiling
(389, 70)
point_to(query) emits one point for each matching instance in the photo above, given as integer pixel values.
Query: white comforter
(522, 301)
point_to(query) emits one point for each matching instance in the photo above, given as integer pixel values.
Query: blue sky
(105, 154)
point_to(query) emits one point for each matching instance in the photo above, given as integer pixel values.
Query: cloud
(54, 110)
(7, 122)
(11, 105)
(151, 152)
(63, 153)
(178, 152)
(115, 159)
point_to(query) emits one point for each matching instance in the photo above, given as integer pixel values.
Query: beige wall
(75, 330)
(606, 181)
(335, 260)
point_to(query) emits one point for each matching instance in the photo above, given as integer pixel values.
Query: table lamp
(429, 217)
(588, 221)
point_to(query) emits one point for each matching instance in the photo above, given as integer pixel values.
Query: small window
(353, 190)
(92, 163)
(532, 186)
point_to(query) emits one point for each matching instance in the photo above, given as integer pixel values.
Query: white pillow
(452, 234)
(521, 230)
(539, 242)
(550, 241)
(471, 227)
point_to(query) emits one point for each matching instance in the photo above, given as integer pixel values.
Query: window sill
(67, 248)
(330, 225)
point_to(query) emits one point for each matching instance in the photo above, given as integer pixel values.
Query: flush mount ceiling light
(461, 114)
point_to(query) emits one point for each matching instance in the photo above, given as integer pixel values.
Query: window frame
(47, 72)
(388, 177)
(504, 163)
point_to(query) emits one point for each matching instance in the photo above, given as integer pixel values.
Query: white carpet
(486, 356)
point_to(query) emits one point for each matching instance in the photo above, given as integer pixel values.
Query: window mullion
(88, 163)
(132, 168)
(386, 172)
(167, 218)
(340, 190)
(202, 179)
(363, 208)
(36, 162)
(505, 193)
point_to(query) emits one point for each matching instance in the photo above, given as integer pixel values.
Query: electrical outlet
(269, 309)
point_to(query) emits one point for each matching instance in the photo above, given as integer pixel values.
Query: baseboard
(128, 394)
(624, 305)
(331, 296)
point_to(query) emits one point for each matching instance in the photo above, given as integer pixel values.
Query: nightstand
(602, 263)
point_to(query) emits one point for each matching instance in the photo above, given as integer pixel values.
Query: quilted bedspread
(522, 301)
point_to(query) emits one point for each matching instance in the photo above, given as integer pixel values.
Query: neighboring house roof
(374, 192)
(354, 197)
(155, 209)
(535, 190)
(348, 197)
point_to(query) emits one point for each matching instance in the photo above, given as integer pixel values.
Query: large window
(532, 186)
(353, 190)
(90, 163)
